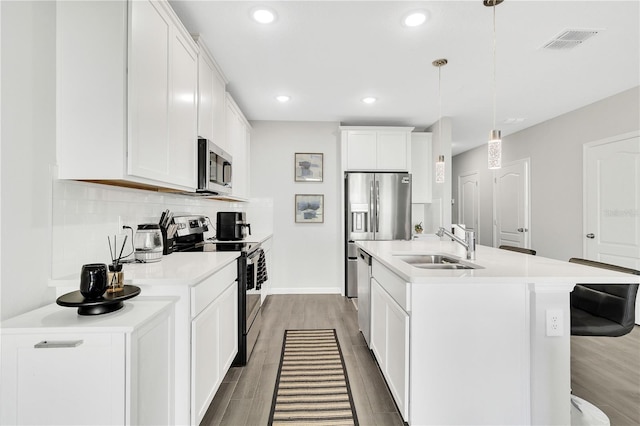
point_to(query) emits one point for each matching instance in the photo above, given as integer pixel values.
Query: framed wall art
(309, 167)
(309, 208)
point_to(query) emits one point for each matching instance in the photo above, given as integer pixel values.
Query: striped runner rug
(312, 387)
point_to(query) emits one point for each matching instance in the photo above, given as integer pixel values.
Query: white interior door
(511, 205)
(468, 201)
(612, 203)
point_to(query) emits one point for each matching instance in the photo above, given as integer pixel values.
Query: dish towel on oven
(262, 269)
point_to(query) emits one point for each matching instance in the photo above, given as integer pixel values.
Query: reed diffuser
(115, 276)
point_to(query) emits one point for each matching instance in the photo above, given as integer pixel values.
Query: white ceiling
(328, 55)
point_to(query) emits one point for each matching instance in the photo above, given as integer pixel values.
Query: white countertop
(499, 266)
(174, 269)
(55, 318)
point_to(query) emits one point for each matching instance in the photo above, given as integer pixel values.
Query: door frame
(527, 201)
(585, 147)
(463, 175)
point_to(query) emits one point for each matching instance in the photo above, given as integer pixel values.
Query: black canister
(93, 280)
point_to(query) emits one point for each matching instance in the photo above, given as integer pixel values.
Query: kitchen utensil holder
(168, 244)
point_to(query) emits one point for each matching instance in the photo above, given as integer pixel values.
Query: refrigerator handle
(371, 215)
(377, 206)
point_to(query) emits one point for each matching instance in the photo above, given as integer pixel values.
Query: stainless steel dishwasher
(364, 293)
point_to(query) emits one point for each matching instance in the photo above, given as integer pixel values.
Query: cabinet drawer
(210, 288)
(397, 288)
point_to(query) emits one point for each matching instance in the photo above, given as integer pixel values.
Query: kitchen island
(489, 345)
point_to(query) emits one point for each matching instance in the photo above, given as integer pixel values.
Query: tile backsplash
(84, 214)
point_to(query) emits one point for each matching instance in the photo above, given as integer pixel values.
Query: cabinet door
(182, 152)
(152, 370)
(214, 344)
(231, 131)
(391, 151)
(149, 91)
(228, 333)
(241, 160)
(218, 96)
(390, 344)
(378, 323)
(361, 150)
(205, 98)
(63, 378)
(397, 355)
(205, 359)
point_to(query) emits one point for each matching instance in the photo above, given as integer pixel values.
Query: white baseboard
(306, 290)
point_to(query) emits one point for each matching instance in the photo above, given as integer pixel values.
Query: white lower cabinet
(390, 344)
(112, 369)
(214, 339)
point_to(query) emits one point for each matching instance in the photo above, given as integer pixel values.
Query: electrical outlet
(555, 323)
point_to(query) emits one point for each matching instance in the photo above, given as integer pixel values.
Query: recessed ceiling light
(369, 100)
(283, 98)
(415, 19)
(263, 15)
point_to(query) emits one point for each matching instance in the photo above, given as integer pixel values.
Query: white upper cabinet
(238, 134)
(376, 148)
(211, 98)
(421, 168)
(126, 89)
(362, 151)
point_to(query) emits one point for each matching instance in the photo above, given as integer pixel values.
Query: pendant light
(494, 147)
(440, 163)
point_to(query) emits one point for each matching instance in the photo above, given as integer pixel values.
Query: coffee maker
(232, 226)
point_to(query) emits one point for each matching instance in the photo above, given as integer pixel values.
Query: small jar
(115, 282)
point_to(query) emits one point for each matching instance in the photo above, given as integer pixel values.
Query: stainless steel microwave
(214, 168)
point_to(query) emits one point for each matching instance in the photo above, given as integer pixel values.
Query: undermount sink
(436, 261)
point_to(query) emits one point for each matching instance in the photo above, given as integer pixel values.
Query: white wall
(306, 255)
(84, 214)
(555, 150)
(438, 213)
(28, 152)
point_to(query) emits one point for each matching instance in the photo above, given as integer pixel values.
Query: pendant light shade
(440, 163)
(495, 150)
(440, 169)
(494, 147)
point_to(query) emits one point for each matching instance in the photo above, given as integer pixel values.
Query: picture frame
(309, 208)
(309, 166)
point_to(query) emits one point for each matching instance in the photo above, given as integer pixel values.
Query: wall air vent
(568, 39)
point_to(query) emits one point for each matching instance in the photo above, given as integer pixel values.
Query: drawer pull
(47, 344)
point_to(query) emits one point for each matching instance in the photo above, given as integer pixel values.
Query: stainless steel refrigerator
(377, 207)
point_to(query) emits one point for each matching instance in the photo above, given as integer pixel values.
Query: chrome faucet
(468, 243)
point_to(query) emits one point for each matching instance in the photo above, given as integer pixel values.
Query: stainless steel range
(190, 238)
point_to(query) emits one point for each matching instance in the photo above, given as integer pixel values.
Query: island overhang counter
(475, 346)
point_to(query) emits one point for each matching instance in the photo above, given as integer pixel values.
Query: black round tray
(108, 302)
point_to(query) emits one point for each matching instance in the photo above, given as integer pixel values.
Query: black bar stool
(600, 310)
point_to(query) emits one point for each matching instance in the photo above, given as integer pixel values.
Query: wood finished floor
(604, 371)
(244, 398)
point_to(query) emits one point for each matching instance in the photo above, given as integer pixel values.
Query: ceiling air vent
(568, 39)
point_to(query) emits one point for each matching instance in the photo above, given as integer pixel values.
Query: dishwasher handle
(364, 256)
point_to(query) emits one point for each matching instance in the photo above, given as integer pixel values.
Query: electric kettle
(148, 243)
